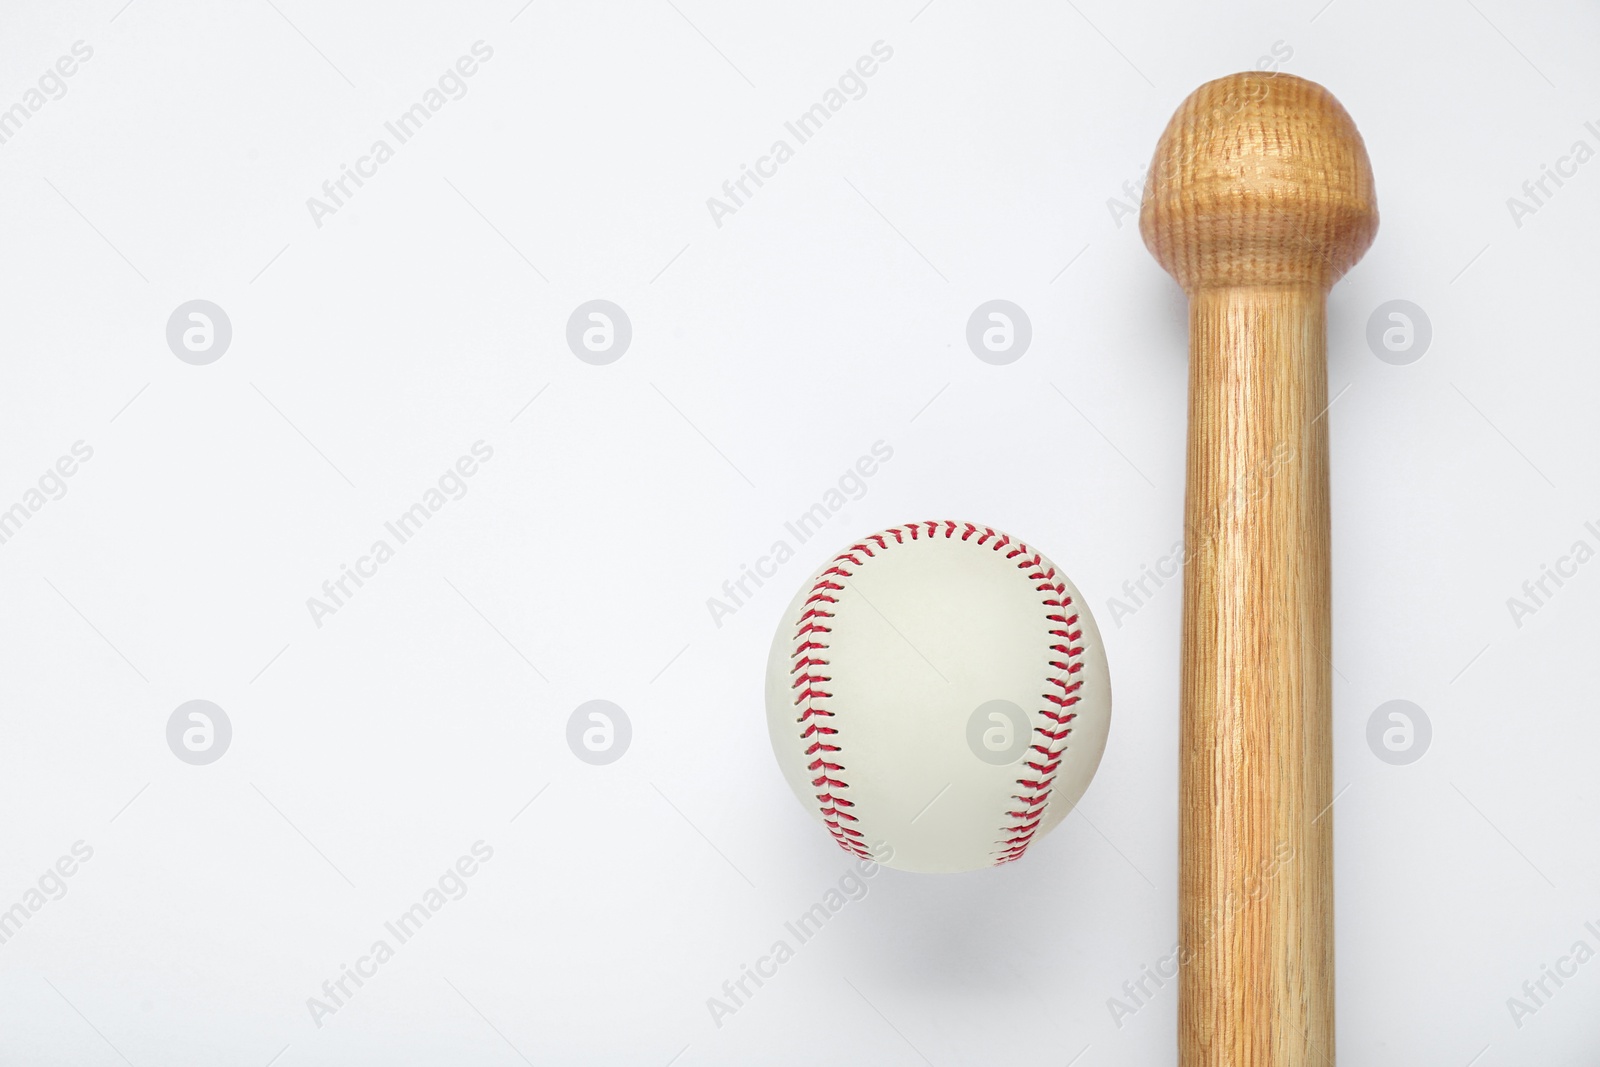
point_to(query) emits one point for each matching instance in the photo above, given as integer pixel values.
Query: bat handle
(1256, 773)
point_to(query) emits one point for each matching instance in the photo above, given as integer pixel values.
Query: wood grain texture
(1259, 199)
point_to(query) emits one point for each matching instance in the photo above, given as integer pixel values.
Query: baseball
(938, 696)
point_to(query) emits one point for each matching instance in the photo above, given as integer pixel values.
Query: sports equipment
(937, 696)
(1259, 198)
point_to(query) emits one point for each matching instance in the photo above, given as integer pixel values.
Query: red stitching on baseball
(1043, 759)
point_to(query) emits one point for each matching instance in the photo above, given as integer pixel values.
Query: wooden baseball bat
(1259, 198)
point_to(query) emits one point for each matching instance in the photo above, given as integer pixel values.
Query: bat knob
(1260, 179)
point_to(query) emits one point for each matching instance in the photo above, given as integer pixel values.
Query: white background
(827, 313)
